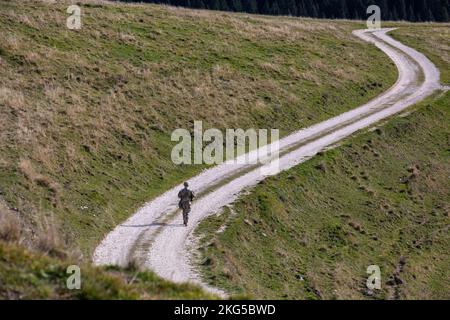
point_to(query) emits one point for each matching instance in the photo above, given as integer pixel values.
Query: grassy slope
(37, 270)
(87, 115)
(31, 275)
(381, 198)
(435, 47)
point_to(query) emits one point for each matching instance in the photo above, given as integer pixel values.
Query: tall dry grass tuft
(12, 98)
(10, 227)
(48, 239)
(45, 238)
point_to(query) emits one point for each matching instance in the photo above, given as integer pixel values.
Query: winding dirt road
(155, 238)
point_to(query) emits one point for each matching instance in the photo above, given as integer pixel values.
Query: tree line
(409, 10)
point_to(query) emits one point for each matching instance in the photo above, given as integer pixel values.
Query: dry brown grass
(87, 116)
(48, 239)
(44, 237)
(10, 225)
(12, 98)
(261, 27)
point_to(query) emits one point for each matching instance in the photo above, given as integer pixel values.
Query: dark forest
(409, 10)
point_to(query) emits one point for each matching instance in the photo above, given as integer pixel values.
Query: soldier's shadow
(154, 224)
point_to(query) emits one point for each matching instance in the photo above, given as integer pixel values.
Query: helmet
(186, 184)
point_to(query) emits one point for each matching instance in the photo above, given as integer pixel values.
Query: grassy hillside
(431, 40)
(87, 115)
(381, 198)
(38, 270)
(30, 275)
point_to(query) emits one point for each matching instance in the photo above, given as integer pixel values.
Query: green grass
(312, 231)
(31, 275)
(431, 40)
(87, 115)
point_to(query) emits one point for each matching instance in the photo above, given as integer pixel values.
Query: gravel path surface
(154, 236)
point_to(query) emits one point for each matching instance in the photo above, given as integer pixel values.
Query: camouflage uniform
(186, 196)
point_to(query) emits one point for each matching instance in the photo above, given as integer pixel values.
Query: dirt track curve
(155, 238)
